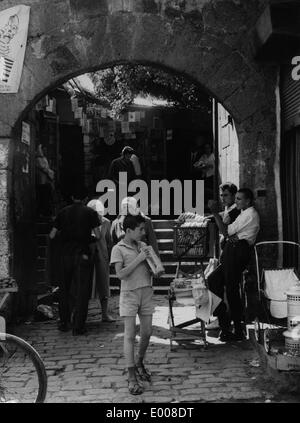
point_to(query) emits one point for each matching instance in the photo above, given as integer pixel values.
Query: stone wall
(210, 41)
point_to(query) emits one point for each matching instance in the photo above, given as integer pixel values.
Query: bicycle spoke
(19, 379)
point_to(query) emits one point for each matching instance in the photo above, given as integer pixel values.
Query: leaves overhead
(120, 84)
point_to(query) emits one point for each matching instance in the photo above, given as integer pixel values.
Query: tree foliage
(120, 84)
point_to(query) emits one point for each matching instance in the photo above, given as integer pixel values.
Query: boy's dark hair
(248, 194)
(132, 222)
(230, 187)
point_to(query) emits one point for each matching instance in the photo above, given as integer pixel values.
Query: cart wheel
(267, 340)
(257, 330)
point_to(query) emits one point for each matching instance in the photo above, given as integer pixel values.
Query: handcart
(193, 245)
(276, 273)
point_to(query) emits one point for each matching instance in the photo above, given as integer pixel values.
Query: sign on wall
(25, 138)
(13, 38)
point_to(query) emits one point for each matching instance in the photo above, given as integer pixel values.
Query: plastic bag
(43, 312)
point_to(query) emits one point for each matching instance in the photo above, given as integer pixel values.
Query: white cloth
(212, 265)
(277, 283)
(225, 217)
(206, 160)
(246, 225)
(205, 302)
(136, 164)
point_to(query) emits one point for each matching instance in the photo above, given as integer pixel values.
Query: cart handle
(276, 242)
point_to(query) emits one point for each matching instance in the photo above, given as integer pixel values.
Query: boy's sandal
(142, 372)
(134, 387)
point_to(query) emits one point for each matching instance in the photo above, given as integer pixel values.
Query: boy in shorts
(129, 257)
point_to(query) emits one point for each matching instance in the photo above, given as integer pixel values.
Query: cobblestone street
(90, 368)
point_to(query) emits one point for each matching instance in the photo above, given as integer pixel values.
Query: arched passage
(210, 41)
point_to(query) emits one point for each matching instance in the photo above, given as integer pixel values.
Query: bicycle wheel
(23, 376)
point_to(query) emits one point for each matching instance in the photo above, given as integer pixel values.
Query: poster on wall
(13, 38)
(25, 138)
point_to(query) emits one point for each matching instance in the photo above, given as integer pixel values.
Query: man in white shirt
(240, 236)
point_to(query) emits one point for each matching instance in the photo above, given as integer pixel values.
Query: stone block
(4, 243)
(4, 153)
(3, 214)
(121, 5)
(4, 267)
(3, 184)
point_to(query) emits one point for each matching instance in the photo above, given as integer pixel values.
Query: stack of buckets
(292, 335)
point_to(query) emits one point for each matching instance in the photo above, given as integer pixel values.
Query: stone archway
(211, 41)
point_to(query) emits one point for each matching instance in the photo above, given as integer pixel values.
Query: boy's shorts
(138, 301)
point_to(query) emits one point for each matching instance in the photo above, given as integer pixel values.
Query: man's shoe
(108, 319)
(226, 336)
(80, 331)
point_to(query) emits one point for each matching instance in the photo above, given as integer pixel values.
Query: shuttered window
(290, 99)
(290, 189)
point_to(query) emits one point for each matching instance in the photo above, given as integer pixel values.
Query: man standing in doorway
(122, 164)
(240, 237)
(75, 224)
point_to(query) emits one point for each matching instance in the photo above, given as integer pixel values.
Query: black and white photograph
(150, 204)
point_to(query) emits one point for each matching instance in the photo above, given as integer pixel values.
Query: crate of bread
(191, 236)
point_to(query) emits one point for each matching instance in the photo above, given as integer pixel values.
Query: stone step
(42, 251)
(166, 233)
(41, 263)
(165, 244)
(42, 240)
(166, 255)
(163, 223)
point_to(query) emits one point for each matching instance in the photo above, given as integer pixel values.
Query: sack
(212, 265)
(205, 302)
(43, 312)
(154, 263)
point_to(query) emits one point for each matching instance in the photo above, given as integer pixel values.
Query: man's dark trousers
(75, 286)
(228, 275)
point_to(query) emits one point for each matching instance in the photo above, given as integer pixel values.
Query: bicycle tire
(26, 348)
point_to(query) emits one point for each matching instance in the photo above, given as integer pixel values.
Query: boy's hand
(145, 252)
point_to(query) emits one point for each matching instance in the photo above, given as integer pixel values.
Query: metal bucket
(292, 341)
(293, 306)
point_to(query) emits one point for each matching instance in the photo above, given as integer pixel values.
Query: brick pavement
(90, 368)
